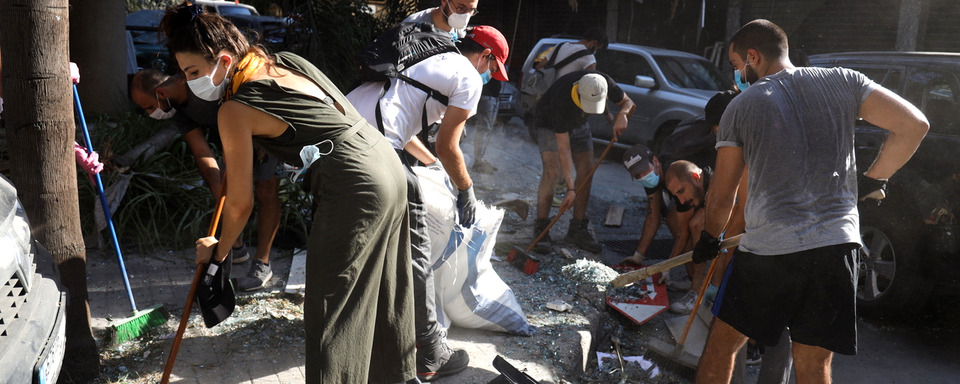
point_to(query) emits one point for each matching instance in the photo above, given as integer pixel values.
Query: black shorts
(812, 292)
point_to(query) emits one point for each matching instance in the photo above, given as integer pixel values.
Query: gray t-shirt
(796, 129)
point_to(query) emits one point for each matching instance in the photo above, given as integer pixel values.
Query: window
(623, 67)
(935, 93)
(686, 72)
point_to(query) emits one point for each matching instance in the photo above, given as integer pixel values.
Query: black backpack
(399, 48)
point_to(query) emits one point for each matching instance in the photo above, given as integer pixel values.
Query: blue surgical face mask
(486, 76)
(651, 180)
(737, 77)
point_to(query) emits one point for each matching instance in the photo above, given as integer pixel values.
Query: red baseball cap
(491, 38)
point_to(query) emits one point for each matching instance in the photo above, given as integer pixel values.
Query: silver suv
(32, 301)
(668, 87)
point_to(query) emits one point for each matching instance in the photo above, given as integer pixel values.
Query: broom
(139, 321)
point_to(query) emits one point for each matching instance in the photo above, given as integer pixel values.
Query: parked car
(32, 300)
(509, 98)
(910, 238)
(271, 29)
(668, 86)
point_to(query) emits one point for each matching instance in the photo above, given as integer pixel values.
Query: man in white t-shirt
(460, 77)
(593, 40)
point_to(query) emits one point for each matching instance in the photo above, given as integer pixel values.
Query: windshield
(226, 10)
(686, 72)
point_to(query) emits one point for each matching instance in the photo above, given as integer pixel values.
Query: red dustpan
(641, 301)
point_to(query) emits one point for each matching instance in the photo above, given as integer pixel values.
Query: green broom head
(139, 323)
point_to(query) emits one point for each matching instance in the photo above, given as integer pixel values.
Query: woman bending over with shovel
(358, 305)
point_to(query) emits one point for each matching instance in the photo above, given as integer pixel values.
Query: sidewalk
(263, 341)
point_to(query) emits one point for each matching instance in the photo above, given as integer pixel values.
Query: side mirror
(644, 82)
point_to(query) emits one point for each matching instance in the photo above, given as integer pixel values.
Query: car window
(935, 93)
(623, 67)
(228, 10)
(889, 78)
(686, 72)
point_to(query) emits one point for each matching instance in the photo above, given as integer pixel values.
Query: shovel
(522, 258)
(212, 311)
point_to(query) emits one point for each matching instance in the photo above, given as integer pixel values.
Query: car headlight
(15, 240)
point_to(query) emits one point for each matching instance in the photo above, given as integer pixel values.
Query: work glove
(467, 204)
(870, 188)
(74, 73)
(436, 166)
(707, 248)
(89, 162)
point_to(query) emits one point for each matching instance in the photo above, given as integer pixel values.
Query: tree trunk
(40, 129)
(98, 45)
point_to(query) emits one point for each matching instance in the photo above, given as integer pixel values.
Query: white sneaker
(678, 285)
(685, 304)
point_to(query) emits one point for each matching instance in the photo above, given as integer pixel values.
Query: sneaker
(441, 361)
(240, 254)
(579, 235)
(679, 285)
(484, 167)
(685, 304)
(754, 354)
(545, 244)
(258, 275)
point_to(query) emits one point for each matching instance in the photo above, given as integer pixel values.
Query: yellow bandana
(250, 64)
(575, 95)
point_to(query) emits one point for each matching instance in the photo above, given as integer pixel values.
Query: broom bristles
(138, 323)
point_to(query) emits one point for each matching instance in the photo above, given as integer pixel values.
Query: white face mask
(160, 114)
(204, 87)
(458, 20)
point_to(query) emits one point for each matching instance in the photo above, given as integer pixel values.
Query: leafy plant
(166, 203)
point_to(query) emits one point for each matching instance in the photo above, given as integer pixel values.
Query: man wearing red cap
(459, 77)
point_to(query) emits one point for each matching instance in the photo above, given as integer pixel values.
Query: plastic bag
(469, 292)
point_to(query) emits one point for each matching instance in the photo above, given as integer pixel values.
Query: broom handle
(645, 272)
(103, 201)
(696, 306)
(185, 317)
(580, 187)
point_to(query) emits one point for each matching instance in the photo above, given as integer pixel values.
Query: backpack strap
(553, 55)
(435, 94)
(571, 58)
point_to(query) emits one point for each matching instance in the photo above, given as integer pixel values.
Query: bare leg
(583, 162)
(268, 215)
(548, 178)
(812, 364)
(716, 362)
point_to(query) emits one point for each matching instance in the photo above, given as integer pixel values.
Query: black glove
(467, 204)
(870, 188)
(707, 248)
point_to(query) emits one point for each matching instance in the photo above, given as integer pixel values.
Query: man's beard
(750, 75)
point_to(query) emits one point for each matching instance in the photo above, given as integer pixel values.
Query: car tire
(891, 281)
(666, 129)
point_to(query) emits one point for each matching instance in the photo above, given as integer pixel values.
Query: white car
(668, 87)
(32, 301)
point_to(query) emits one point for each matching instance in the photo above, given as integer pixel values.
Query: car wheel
(890, 279)
(665, 130)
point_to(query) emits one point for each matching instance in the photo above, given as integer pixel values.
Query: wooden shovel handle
(185, 317)
(645, 272)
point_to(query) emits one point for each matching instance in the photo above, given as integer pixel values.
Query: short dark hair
(763, 36)
(596, 33)
(148, 80)
(715, 107)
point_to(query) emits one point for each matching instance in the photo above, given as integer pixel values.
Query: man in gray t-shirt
(796, 267)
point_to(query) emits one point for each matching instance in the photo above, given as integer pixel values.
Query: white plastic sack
(469, 292)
